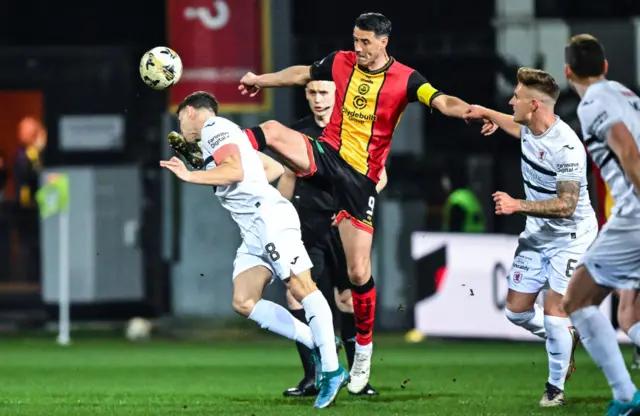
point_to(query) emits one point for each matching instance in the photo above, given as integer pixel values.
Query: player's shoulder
(219, 124)
(346, 56)
(402, 68)
(565, 132)
(218, 129)
(598, 96)
(566, 138)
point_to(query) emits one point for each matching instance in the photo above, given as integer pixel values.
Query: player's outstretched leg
(247, 301)
(561, 343)
(598, 337)
(291, 147)
(318, 313)
(522, 310)
(306, 386)
(348, 334)
(357, 247)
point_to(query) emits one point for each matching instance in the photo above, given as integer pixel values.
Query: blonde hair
(539, 80)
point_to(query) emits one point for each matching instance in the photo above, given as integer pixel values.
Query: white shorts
(550, 265)
(614, 258)
(273, 240)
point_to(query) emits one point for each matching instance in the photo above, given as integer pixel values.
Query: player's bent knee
(243, 306)
(518, 318)
(270, 129)
(359, 272)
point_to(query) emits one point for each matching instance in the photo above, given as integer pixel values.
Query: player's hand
(505, 205)
(177, 166)
(488, 127)
(249, 84)
(475, 113)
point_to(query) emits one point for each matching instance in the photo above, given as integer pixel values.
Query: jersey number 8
(271, 250)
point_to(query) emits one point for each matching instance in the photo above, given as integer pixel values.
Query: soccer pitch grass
(112, 377)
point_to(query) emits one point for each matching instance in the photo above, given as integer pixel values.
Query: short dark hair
(585, 56)
(374, 22)
(540, 81)
(198, 100)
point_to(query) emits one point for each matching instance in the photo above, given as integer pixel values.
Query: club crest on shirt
(541, 155)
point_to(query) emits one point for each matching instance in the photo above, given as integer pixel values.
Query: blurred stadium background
(142, 244)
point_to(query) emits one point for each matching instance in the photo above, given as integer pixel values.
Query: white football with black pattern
(160, 68)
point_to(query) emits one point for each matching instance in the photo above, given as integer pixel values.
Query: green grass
(112, 377)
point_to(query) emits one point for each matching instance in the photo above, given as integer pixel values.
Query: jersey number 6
(570, 268)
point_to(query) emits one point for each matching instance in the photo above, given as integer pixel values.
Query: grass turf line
(112, 377)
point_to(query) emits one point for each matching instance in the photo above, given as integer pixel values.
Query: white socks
(559, 344)
(599, 339)
(320, 321)
(275, 318)
(634, 333)
(532, 321)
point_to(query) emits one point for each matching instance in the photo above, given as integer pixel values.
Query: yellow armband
(426, 93)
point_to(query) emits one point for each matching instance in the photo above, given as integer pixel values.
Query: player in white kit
(561, 223)
(610, 118)
(270, 230)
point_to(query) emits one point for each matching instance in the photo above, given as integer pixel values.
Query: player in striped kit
(561, 223)
(609, 114)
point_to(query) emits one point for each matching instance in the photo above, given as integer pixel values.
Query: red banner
(219, 41)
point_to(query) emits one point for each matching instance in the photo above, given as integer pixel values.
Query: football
(138, 329)
(160, 67)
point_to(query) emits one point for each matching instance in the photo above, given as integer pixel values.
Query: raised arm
(502, 120)
(288, 77)
(419, 89)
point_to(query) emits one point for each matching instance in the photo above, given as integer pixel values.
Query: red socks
(364, 309)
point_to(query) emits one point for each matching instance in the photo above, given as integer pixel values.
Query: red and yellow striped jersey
(368, 107)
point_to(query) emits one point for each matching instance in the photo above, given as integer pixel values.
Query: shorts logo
(517, 277)
(359, 102)
(363, 89)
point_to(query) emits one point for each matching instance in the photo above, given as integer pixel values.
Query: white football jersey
(556, 155)
(245, 198)
(605, 104)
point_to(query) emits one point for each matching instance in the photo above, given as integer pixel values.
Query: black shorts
(325, 250)
(354, 193)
